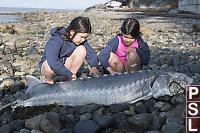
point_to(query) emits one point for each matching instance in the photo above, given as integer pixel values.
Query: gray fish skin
(106, 89)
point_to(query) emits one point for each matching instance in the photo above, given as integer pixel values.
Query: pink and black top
(121, 53)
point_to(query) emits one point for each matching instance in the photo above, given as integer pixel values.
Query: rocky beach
(174, 41)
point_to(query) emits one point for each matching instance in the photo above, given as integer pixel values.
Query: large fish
(106, 89)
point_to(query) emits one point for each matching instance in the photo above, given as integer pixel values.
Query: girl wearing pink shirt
(126, 51)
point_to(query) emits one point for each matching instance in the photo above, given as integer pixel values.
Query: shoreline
(113, 17)
(174, 45)
(13, 14)
(163, 12)
(159, 11)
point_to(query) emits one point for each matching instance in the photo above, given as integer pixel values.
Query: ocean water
(17, 18)
(10, 18)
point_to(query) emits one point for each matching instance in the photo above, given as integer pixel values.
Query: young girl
(126, 51)
(66, 50)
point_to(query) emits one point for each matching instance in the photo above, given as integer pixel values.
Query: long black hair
(78, 25)
(131, 27)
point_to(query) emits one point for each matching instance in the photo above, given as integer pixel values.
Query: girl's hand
(111, 71)
(130, 49)
(94, 71)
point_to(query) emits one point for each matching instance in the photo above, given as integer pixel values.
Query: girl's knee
(81, 50)
(133, 61)
(113, 58)
(115, 63)
(46, 69)
(133, 57)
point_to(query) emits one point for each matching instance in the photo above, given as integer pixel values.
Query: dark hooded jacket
(57, 50)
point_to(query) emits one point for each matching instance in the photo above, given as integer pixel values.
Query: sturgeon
(106, 89)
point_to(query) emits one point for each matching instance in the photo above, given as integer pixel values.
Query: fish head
(170, 83)
(178, 82)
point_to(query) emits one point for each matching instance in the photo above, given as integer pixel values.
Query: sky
(51, 4)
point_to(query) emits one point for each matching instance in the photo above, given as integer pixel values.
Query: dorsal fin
(33, 81)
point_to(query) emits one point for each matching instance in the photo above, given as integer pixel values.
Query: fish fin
(149, 95)
(33, 81)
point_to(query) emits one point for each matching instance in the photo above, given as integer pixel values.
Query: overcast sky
(52, 4)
